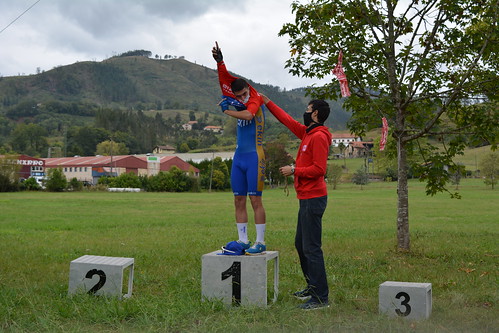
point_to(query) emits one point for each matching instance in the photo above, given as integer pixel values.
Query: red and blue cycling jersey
(248, 166)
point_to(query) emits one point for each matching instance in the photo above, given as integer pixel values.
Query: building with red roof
(91, 168)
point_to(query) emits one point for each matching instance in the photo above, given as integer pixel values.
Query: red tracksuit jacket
(311, 160)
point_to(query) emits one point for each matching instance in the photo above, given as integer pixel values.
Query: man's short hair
(238, 84)
(323, 108)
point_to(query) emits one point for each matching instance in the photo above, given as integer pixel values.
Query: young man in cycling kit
(248, 166)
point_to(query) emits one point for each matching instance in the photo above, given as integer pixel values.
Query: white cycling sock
(242, 231)
(260, 233)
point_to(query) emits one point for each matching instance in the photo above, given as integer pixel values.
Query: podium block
(238, 280)
(100, 275)
(405, 299)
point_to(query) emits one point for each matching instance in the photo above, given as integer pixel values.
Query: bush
(360, 177)
(334, 173)
(56, 181)
(75, 185)
(8, 174)
(7, 185)
(31, 184)
(125, 180)
(174, 180)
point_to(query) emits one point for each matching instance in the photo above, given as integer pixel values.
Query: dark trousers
(308, 242)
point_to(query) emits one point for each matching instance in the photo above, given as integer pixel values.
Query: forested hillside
(137, 100)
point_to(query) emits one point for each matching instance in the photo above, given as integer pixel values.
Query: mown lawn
(454, 247)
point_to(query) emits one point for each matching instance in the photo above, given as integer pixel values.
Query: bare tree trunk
(403, 236)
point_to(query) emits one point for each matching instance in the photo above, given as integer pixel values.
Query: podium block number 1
(235, 272)
(238, 280)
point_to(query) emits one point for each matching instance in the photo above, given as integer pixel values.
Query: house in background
(188, 126)
(214, 129)
(358, 149)
(346, 139)
(164, 149)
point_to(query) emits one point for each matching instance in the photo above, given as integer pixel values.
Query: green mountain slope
(138, 83)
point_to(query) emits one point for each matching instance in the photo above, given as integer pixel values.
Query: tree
(342, 148)
(9, 171)
(108, 148)
(489, 168)
(276, 157)
(360, 177)
(192, 116)
(334, 173)
(30, 139)
(84, 140)
(456, 174)
(56, 180)
(75, 185)
(429, 66)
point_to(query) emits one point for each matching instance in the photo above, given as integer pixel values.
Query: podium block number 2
(234, 271)
(100, 283)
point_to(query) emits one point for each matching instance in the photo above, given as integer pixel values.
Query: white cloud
(62, 32)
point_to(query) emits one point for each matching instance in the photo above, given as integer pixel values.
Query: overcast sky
(61, 32)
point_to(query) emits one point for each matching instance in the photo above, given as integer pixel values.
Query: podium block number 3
(235, 272)
(405, 298)
(409, 300)
(100, 283)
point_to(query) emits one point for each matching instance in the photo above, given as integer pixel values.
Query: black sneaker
(303, 294)
(313, 304)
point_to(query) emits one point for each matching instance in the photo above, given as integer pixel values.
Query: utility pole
(211, 173)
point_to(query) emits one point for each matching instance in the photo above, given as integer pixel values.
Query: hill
(137, 83)
(139, 101)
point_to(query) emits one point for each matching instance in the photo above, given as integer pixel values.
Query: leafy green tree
(30, 139)
(334, 173)
(183, 148)
(108, 148)
(489, 168)
(56, 180)
(193, 143)
(215, 172)
(276, 157)
(456, 174)
(429, 66)
(9, 173)
(342, 148)
(192, 116)
(84, 140)
(181, 182)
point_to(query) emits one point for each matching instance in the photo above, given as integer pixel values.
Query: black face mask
(307, 118)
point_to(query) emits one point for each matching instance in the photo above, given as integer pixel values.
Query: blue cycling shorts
(248, 173)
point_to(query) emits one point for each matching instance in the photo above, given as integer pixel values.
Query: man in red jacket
(311, 190)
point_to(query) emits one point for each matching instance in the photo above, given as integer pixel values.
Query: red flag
(340, 74)
(384, 134)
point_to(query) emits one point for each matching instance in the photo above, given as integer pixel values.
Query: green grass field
(454, 247)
